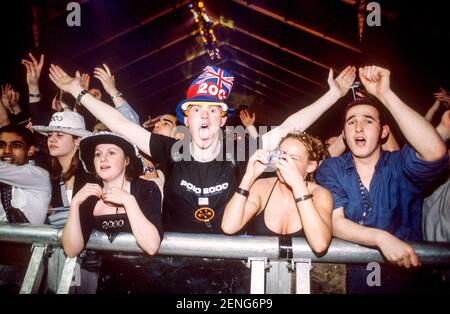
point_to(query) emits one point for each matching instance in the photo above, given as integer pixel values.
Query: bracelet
(303, 198)
(35, 95)
(242, 192)
(119, 94)
(81, 94)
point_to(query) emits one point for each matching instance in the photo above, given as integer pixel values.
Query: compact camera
(274, 156)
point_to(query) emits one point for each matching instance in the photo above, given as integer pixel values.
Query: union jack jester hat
(212, 86)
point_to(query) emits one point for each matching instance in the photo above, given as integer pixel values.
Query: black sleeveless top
(258, 226)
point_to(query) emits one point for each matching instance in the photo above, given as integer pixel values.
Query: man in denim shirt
(377, 194)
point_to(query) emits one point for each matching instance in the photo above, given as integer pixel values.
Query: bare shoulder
(320, 192)
(261, 185)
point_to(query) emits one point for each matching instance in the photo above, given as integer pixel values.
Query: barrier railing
(269, 260)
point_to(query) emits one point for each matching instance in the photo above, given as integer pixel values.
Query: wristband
(80, 95)
(119, 94)
(303, 198)
(242, 192)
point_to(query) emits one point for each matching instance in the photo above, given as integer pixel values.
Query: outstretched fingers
(108, 71)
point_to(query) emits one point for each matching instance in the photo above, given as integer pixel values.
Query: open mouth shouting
(360, 141)
(204, 131)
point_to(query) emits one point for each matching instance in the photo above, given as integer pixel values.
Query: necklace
(366, 202)
(115, 205)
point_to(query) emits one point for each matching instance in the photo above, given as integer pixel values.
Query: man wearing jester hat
(198, 188)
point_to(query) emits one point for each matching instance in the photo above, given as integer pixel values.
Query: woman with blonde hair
(289, 204)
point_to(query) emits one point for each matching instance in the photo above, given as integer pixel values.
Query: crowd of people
(178, 173)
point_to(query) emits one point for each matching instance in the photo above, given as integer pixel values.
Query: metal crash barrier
(270, 260)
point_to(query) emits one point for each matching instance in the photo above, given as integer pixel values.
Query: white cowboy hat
(65, 122)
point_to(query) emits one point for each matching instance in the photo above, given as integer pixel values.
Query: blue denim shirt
(395, 190)
(128, 112)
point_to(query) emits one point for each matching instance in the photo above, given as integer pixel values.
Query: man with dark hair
(25, 189)
(377, 194)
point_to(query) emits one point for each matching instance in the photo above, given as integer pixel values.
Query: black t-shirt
(148, 197)
(196, 193)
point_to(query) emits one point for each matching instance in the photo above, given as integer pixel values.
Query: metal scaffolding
(271, 263)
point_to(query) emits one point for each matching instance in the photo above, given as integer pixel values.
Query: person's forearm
(443, 132)
(72, 237)
(317, 231)
(115, 121)
(234, 213)
(419, 133)
(430, 113)
(300, 120)
(348, 230)
(119, 100)
(128, 112)
(252, 131)
(4, 119)
(144, 231)
(34, 93)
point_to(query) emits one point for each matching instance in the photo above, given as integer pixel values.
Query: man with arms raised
(197, 191)
(378, 194)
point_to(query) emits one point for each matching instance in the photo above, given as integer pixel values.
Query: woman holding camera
(290, 203)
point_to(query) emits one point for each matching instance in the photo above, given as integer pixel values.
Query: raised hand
(342, 83)
(34, 69)
(7, 94)
(96, 93)
(375, 79)
(443, 97)
(63, 81)
(85, 79)
(107, 79)
(150, 122)
(289, 171)
(442, 93)
(256, 164)
(246, 119)
(56, 104)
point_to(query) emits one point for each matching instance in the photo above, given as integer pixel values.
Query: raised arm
(249, 122)
(443, 128)
(112, 118)
(109, 84)
(4, 119)
(34, 69)
(302, 119)
(240, 209)
(417, 130)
